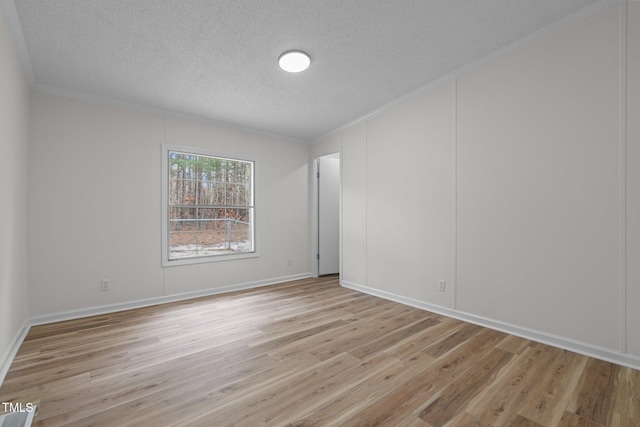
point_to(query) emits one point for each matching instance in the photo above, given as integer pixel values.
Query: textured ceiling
(217, 59)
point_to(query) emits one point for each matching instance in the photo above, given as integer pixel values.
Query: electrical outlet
(289, 262)
(105, 285)
(442, 285)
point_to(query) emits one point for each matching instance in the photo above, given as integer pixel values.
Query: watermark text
(18, 407)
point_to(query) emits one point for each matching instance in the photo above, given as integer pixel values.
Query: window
(208, 206)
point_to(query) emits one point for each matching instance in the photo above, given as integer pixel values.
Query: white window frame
(166, 262)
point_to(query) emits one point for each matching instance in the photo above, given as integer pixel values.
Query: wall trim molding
(576, 346)
(5, 363)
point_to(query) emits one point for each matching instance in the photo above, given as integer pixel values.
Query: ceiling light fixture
(294, 61)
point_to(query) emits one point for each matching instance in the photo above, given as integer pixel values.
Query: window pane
(241, 237)
(182, 178)
(183, 192)
(212, 230)
(183, 244)
(183, 238)
(210, 205)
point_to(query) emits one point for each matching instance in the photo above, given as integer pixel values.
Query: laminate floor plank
(594, 394)
(425, 338)
(627, 399)
(421, 388)
(569, 419)
(455, 397)
(511, 389)
(307, 353)
(513, 344)
(310, 390)
(393, 337)
(546, 402)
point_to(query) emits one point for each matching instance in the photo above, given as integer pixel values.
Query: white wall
(94, 205)
(354, 205)
(14, 120)
(409, 183)
(508, 182)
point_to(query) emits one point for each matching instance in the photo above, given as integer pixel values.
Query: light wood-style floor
(307, 353)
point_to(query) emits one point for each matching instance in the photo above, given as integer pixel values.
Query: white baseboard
(8, 357)
(531, 334)
(5, 363)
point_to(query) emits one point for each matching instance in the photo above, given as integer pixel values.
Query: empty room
(417, 213)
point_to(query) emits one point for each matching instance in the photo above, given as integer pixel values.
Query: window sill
(208, 259)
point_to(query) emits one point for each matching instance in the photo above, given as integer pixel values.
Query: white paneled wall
(510, 182)
(538, 135)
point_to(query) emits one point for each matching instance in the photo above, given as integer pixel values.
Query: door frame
(314, 206)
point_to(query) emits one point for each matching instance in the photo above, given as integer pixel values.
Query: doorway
(328, 213)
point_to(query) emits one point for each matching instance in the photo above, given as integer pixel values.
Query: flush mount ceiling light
(294, 61)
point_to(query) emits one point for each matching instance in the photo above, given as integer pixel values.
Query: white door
(329, 214)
